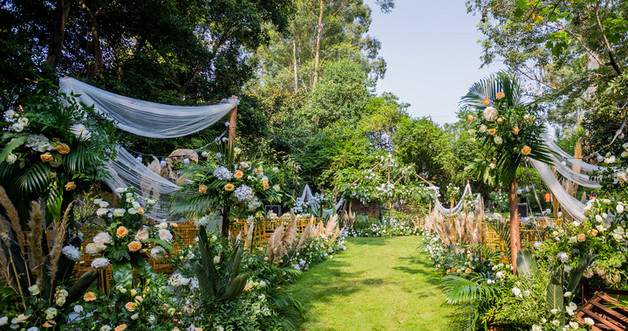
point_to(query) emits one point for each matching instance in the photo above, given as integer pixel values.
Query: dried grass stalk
(59, 230)
(14, 219)
(307, 232)
(249, 236)
(331, 225)
(289, 236)
(36, 226)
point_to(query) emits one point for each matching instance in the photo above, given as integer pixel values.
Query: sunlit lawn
(377, 284)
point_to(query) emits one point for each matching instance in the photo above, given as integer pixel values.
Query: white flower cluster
(71, 252)
(222, 173)
(245, 194)
(38, 142)
(490, 114)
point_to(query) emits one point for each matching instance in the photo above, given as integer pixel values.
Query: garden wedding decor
(508, 125)
(457, 208)
(314, 203)
(167, 121)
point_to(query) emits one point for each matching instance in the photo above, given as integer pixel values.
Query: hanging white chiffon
(144, 118)
(125, 171)
(458, 207)
(571, 205)
(308, 198)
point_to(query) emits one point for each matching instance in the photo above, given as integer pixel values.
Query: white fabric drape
(125, 171)
(147, 119)
(565, 165)
(308, 197)
(571, 205)
(458, 207)
(144, 118)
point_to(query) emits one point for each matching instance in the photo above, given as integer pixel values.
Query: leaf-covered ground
(377, 284)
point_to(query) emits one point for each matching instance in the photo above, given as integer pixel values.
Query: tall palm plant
(507, 122)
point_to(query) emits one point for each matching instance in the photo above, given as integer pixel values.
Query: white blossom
(222, 173)
(80, 131)
(100, 263)
(71, 252)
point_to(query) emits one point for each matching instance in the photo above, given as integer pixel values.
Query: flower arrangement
(127, 238)
(223, 182)
(52, 148)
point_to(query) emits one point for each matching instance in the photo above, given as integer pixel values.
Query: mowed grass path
(376, 284)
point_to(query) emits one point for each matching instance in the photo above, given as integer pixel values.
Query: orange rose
(515, 130)
(120, 327)
(138, 299)
(140, 211)
(130, 306)
(526, 150)
(70, 186)
(121, 232)
(594, 232)
(492, 131)
(500, 120)
(238, 174)
(46, 157)
(229, 187)
(89, 296)
(486, 102)
(202, 189)
(500, 95)
(135, 246)
(64, 149)
(468, 271)
(265, 185)
(470, 118)
(582, 237)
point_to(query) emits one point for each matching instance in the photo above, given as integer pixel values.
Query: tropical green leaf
(11, 145)
(555, 297)
(526, 263)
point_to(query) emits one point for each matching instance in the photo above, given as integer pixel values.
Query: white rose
(554, 311)
(11, 158)
(34, 289)
(142, 235)
(132, 211)
(80, 131)
(536, 328)
(118, 212)
(498, 140)
(4, 320)
(620, 209)
(102, 238)
(589, 321)
(490, 114)
(102, 211)
(78, 309)
(163, 225)
(23, 121)
(556, 322)
(51, 313)
(100, 263)
(104, 204)
(17, 127)
(135, 316)
(105, 328)
(165, 235)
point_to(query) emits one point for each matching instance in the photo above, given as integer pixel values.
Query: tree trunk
(515, 244)
(319, 35)
(233, 120)
(294, 65)
(57, 32)
(225, 221)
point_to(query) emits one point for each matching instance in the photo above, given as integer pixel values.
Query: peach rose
(526, 150)
(470, 118)
(582, 237)
(468, 271)
(46, 157)
(69, 186)
(202, 188)
(140, 211)
(121, 232)
(134, 246)
(120, 327)
(500, 120)
(63, 149)
(594, 232)
(265, 185)
(486, 101)
(130, 306)
(89, 296)
(500, 95)
(515, 130)
(238, 174)
(492, 131)
(229, 187)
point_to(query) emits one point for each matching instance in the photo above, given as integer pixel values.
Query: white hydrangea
(100, 263)
(222, 173)
(71, 252)
(102, 238)
(244, 193)
(165, 235)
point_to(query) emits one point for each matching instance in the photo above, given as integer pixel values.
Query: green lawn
(377, 284)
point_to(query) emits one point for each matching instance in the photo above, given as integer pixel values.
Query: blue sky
(432, 52)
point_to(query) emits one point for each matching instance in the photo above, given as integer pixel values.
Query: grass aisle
(376, 284)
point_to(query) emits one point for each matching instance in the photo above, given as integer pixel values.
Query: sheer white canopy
(458, 207)
(144, 118)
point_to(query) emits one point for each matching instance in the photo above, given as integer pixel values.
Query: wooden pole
(232, 126)
(515, 243)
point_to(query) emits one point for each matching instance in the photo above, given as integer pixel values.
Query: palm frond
(462, 290)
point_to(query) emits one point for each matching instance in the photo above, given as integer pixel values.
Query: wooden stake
(515, 244)
(232, 126)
